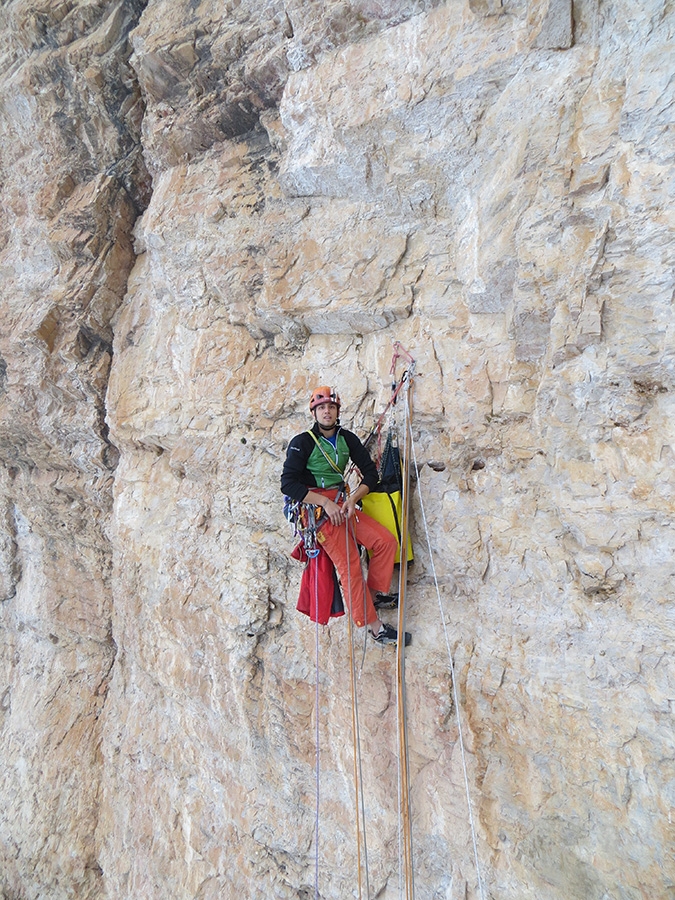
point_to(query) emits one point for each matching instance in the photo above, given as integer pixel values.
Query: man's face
(326, 414)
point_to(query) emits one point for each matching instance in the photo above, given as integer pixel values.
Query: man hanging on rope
(313, 473)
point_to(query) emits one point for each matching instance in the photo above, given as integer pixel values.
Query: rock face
(72, 184)
(208, 208)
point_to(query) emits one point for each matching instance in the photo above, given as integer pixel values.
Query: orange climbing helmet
(323, 395)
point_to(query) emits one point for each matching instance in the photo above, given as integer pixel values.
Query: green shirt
(321, 469)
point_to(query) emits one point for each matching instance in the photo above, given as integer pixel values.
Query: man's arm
(353, 499)
(362, 460)
(295, 477)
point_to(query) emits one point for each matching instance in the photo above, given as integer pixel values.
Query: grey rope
(454, 680)
(357, 736)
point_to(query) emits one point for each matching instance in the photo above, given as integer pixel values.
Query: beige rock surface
(72, 183)
(489, 183)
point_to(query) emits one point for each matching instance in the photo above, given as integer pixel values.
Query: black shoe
(385, 601)
(388, 635)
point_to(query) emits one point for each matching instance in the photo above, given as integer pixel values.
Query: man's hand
(350, 507)
(335, 513)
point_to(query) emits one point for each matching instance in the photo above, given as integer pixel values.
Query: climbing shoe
(388, 635)
(385, 601)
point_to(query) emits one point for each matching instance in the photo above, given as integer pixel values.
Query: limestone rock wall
(209, 208)
(72, 182)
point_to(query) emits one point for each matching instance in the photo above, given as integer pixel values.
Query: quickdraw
(306, 519)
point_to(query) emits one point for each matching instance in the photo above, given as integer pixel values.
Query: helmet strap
(333, 427)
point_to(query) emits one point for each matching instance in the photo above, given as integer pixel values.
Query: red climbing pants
(340, 543)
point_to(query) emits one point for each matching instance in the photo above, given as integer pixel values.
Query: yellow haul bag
(385, 508)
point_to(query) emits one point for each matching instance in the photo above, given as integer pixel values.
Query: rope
(356, 734)
(405, 846)
(396, 387)
(316, 701)
(454, 680)
(358, 772)
(405, 827)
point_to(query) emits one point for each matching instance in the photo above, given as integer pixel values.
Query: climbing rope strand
(316, 703)
(377, 427)
(397, 386)
(454, 680)
(365, 634)
(360, 777)
(400, 809)
(356, 735)
(399, 351)
(405, 822)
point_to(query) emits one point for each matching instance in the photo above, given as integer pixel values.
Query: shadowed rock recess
(208, 208)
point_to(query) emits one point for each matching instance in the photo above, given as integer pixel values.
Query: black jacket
(296, 479)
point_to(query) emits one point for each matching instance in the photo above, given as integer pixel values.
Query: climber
(313, 473)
